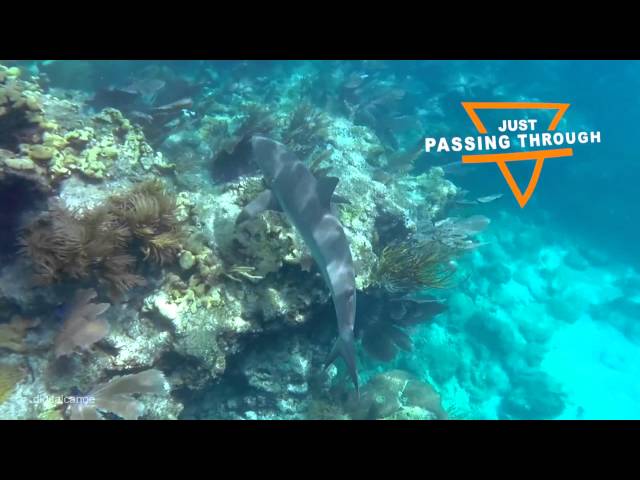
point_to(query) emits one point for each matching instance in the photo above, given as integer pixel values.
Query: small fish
(355, 81)
(474, 224)
(456, 168)
(140, 116)
(490, 198)
(184, 103)
(147, 87)
(445, 221)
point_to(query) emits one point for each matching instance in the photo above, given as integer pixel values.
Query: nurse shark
(307, 203)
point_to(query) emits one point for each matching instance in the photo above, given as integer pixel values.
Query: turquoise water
(542, 321)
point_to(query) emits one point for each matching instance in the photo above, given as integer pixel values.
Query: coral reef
(103, 242)
(145, 181)
(397, 395)
(413, 266)
(51, 138)
(21, 119)
(275, 379)
(82, 326)
(115, 396)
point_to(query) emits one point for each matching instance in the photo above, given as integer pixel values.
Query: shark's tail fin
(346, 349)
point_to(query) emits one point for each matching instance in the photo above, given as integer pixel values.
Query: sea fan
(82, 327)
(115, 396)
(384, 323)
(307, 128)
(410, 266)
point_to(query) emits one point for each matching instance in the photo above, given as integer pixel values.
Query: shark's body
(306, 201)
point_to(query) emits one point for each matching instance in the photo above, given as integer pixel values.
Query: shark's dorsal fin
(326, 187)
(265, 200)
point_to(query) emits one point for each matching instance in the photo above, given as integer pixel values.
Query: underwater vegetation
(413, 266)
(82, 325)
(105, 243)
(116, 396)
(425, 261)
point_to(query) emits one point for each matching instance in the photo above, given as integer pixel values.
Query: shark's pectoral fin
(326, 187)
(265, 200)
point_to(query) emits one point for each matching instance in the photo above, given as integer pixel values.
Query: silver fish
(490, 198)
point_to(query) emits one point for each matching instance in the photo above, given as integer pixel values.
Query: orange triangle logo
(502, 158)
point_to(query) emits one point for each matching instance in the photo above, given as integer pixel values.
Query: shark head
(270, 156)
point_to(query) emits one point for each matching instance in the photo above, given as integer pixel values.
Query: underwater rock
(10, 376)
(21, 396)
(496, 333)
(22, 196)
(535, 396)
(276, 378)
(397, 395)
(462, 308)
(13, 334)
(186, 260)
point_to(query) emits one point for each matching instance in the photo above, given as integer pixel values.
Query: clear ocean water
(541, 320)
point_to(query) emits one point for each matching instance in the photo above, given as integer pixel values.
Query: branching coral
(425, 260)
(307, 128)
(102, 243)
(20, 114)
(148, 211)
(411, 266)
(82, 326)
(116, 396)
(65, 245)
